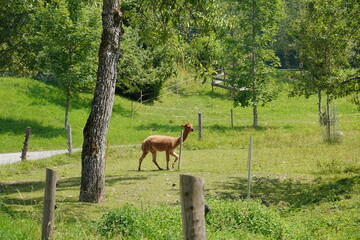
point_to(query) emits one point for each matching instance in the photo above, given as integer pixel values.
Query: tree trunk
(321, 117)
(328, 121)
(255, 116)
(253, 66)
(67, 107)
(95, 131)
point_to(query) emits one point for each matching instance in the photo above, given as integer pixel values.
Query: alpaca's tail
(145, 146)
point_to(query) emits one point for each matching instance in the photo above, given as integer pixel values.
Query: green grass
(307, 187)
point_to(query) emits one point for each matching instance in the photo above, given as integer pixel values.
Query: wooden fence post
(132, 110)
(26, 144)
(49, 205)
(192, 207)
(181, 146)
(328, 123)
(249, 166)
(69, 133)
(200, 125)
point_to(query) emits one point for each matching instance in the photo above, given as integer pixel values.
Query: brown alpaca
(163, 143)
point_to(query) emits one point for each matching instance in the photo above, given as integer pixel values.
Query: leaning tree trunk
(95, 131)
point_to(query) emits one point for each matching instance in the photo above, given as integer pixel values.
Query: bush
(244, 216)
(152, 223)
(227, 219)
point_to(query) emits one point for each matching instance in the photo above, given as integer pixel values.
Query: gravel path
(7, 158)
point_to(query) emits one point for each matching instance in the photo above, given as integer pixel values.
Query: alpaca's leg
(176, 158)
(141, 159)
(154, 160)
(167, 159)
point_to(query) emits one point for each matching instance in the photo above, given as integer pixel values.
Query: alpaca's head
(188, 127)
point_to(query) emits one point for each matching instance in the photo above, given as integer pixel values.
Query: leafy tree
(16, 33)
(251, 59)
(326, 33)
(69, 34)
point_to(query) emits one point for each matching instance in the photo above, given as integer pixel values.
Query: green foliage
(254, 59)
(69, 35)
(251, 59)
(128, 222)
(326, 33)
(226, 218)
(157, 34)
(244, 216)
(17, 23)
(143, 68)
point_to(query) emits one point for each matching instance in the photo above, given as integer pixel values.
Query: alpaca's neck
(185, 135)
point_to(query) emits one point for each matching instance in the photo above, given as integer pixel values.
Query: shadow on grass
(54, 95)
(19, 126)
(173, 127)
(31, 192)
(225, 128)
(273, 191)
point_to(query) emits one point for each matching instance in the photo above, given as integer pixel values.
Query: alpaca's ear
(182, 125)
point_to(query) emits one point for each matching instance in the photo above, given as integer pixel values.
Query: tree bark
(255, 116)
(321, 117)
(253, 66)
(95, 131)
(66, 122)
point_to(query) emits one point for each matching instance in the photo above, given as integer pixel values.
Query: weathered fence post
(249, 166)
(328, 122)
(69, 133)
(181, 146)
(132, 110)
(26, 144)
(200, 125)
(49, 205)
(192, 207)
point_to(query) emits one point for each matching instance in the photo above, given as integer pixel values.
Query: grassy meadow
(302, 188)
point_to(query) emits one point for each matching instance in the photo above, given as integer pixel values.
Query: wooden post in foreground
(26, 144)
(69, 133)
(192, 207)
(49, 205)
(181, 146)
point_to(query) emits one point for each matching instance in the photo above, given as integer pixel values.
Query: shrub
(162, 222)
(121, 221)
(246, 217)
